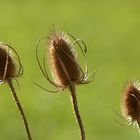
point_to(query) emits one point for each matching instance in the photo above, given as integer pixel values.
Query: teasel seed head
(62, 60)
(11, 68)
(8, 63)
(66, 71)
(131, 102)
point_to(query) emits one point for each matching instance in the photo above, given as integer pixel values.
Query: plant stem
(76, 111)
(20, 109)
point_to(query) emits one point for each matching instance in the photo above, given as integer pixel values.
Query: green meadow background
(111, 30)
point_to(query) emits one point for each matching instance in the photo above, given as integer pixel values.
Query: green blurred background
(111, 30)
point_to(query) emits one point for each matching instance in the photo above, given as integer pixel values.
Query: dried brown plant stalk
(64, 67)
(10, 71)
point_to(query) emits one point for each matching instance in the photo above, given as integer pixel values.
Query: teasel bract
(131, 103)
(64, 67)
(10, 69)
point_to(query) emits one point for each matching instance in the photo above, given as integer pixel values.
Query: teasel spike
(131, 103)
(66, 72)
(8, 72)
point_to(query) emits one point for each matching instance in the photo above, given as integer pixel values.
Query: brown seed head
(131, 102)
(62, 60)
(8, 65)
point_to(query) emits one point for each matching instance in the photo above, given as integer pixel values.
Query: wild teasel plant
(64, 67)
(131, 103)
(10, 69)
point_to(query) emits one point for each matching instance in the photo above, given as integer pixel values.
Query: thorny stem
(20, 109)
(76, 111)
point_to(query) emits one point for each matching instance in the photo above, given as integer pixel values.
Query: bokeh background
(111, 30)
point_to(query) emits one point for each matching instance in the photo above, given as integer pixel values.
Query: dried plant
(66, 71)
(131, 103)
(11, 68)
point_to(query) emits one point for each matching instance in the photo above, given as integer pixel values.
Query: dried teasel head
(11, 68)
(64, 67)
(63, 64)
(131, 102)
(9, 61)
(62, 60)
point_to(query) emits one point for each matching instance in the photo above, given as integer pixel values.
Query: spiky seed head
(62, 60)
(7, 66)
(131, 102)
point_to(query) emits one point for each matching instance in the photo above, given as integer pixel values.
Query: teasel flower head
(131, 102)
(63, 64)
(62, 60)
(10, 66)
(65, 68)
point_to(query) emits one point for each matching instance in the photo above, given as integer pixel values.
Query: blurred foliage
(111, 31)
